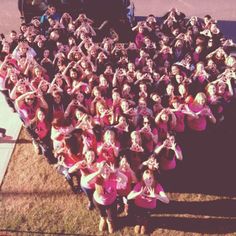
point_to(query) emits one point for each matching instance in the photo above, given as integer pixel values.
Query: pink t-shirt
(107, 153)
(83, 182)
(143, 200)
(148, 140)
(168, 159)
(109, 194)
(127, 189)
(28, 112)
(90, 141)
(198, 124)
(163, 129)
(70, 160)
(179, 122)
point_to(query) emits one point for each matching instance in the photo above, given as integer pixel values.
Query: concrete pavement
(11, 122)
(9, 20)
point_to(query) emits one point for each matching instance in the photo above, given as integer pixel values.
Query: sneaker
(143, 229)
(126, 210)
(120, 209)
(90, 206)
(110, 227)
(36, 147)
(76, 189)
(137, 229)
(102, 224)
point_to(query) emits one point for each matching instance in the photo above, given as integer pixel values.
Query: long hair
(36, 120)
(148, 171)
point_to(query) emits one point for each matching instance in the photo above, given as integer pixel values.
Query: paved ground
(219, 9)
(10, 121)
(222, 10)
(9, 16)
(9, 19)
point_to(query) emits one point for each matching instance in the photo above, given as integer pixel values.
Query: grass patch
(34, 197)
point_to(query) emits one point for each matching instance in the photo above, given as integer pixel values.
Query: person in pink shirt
(145, 195)
(40, 131)
(27, 104)
(124, 168)
(103, 114)
(202, 111)
(38, 76)
(108, 150)
(180, 111)
(135, 153)
(167, 152)
(149, 134)
(68, 157)
(165, 122)
(87, 168)
(105, 194)
(139, 37)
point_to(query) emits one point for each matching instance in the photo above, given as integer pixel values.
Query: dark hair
(72, 144)
(35, 120)
(208, 17)
(61, 122)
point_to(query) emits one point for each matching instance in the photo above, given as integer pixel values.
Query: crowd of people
(109, 115)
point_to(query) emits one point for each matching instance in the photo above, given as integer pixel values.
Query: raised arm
(133, 194)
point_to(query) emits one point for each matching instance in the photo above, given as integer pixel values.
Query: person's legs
(141, 219)
(112, 214)
(103, 215)
(120, 204)
(145, 218)
(89, 194)
(75, 187)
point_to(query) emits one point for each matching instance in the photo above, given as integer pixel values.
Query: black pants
(3, 132)
(69, 177)
(45, 145)
(89, 194)
(142, 215)
(109, 211)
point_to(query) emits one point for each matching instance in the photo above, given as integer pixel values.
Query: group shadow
(203, 184)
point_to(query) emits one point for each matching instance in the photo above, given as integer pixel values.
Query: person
(105, 194)
(51, 12)
(87, 168)
(40, 131)
(27, 104)
(202, 111)
(167, 152)
(124, 168)
(165, 121)
(68, 156)
(108, 150)
(60, 129)
(149, 134)
(3, 135)
(145, 194)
